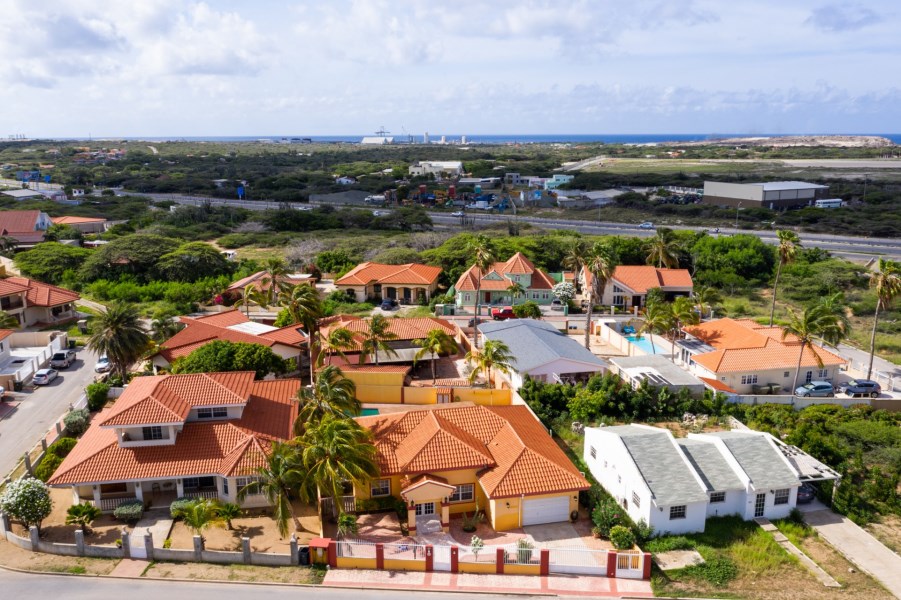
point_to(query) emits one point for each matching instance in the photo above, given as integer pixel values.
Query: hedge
(129, 511)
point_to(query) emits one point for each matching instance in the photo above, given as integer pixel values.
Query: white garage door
(545, 510)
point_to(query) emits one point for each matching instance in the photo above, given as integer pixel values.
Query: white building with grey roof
(676, 484)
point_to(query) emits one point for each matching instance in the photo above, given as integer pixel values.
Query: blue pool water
(645, 344)
(369, 412)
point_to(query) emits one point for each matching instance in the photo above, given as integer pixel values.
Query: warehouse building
(775, 194)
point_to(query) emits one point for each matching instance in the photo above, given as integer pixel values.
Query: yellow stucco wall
(522, 569)
(453, 478)
(479, 567)
(349, 562)
(504, 518)
(483, 397)
(420, 395)
(396, 564)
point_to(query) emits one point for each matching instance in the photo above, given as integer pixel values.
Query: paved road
(859, 547)
(22, 585)
(31, 414)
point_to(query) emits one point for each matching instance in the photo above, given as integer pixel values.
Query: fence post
(380, 556)
(455, 559)
(429, 558)
(332, 554)
(545, 567)
(295, 551)
(79, 542)
(148, 544)
(44, 444)
(4, 525)
(126, 544)
(198, 548)
(611, 564)
(35, 536)
(59, 429)
(499, 556)
(646, 565)
(245, 549)
(28, 464)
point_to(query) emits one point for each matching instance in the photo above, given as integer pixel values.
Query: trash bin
(72, 344)
(18, 385)
(305, 556)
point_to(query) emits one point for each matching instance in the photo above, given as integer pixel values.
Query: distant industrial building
(380, 140)
(775, 194)
(437, 167)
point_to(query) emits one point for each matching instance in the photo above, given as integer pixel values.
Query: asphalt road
(23, 585)
(33, 413)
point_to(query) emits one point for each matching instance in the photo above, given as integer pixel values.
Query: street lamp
(864, 197)
(736, 214)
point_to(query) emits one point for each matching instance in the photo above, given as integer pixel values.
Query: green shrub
(669, 543)
(524, 551)
(129, 511)
(718, 570)
(77, 421)
(178, 505)
(607, 514)
(26, 500)
(643, 532)
(62, 446)
(167, 543)
(622, 537)
(48, 466)
(97, 394)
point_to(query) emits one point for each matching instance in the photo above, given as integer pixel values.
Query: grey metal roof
(772, 186)
(661, 465)
(695, 346)
(535, 343)
(710, 465)
(758, 458)
(671, 374)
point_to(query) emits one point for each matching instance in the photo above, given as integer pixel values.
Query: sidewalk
(563, 585)
(859, 547)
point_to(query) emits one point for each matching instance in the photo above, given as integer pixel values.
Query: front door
(426, 508)
(759, 505)
(487, 297)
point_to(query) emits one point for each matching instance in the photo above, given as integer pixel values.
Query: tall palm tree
(334, 452)
(376, 337)
(886, 281)
(336, 342)
(480, 248)
(251, 295)
(275, 271)
(331, 394)
(199, 514)
(658, 318)
(277, 480)
(600, 263)
(682, 313)
(162, 328)
(574, 259)
(119, 334)
(705, 297)
(663, 249)
(816, 322)
(304, 305)
(838, 325)
(8, 321)
(495, 355)
(516, 290)
(789, 242)
(435, 343)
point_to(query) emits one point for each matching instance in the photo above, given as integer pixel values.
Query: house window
(617, 289)
(676, 512)
(618, 301)
(786, 374)
(636, 500)
(809, 377)
(781, 497)
(545, 296)
(593, 452)
(823, 373)
(154, 432)
(242, 482)
(225, 485)
(467, 298)
(217, 412)
(380, 487)
(534, 295)
(748, 379)
(463, 493)
(191, 483)
(717, 497)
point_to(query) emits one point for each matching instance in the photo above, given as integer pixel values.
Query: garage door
(545, 510)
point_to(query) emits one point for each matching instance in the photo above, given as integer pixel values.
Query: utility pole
(736, 215)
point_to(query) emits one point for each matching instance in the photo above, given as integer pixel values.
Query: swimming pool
(369, 412)
(645, 344)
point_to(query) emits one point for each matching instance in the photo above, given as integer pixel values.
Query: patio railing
(204, 494)
(348, 502)
(110, 504)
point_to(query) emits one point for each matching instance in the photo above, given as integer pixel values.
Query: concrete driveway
(27, 416)
(556, 535)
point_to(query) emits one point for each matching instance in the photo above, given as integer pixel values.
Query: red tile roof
(19, 221)
(225, 447)
(38, 293)
(5, 333)
(641, 278)
(512, 451)
(717, 385)
(68, 220)
(259, 284)
(405, 329)
(495, 279)
(408, 274)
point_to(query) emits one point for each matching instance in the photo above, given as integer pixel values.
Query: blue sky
(268, 67)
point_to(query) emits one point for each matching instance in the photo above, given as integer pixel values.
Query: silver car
(816, 388)
(45, 376)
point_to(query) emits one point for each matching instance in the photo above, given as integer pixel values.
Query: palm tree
(82, 515)
(816, 322)
(839, 325)
(199, 514)
(119, 334)
(516, 290)
(683, 313)
(162, 328)
(304, 305)
(886, 281)
(705, 297)
(277, 480)
(495, 355)
(437, 342)
(275, 271)
(331, 394)
(334, 452)
(481, 249)
(8, 321)
(574, 259)
(228, 511)
(658, 318)
(663, 249)
(251, 295)
(789, 242)
(376, 337)
(336, 342)
(600, 263)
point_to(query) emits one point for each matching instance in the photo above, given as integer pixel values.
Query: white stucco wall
(694, 521)
(616, 472)
(733, 505)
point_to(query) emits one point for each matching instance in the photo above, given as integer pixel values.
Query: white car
(103, 365)
(459, 213)
(45, 376)
(646, 225)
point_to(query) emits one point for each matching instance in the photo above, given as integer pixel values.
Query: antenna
(382, 132)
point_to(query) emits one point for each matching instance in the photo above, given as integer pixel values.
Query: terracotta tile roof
(258, 277)
(68, 220)
(728, 333)
(223, 319)
(42, 294)
(227, 448)
(641, 278)
(8, 288)
(405, 329)
(286, 335)
(717, 385)
(203, 330)
(370, 272)
(370, 368)
(5, 333)
(495, 279)
(19, 221)
(513, 451)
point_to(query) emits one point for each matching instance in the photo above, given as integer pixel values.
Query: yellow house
(497, 459)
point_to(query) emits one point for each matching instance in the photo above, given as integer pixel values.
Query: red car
(502, 314)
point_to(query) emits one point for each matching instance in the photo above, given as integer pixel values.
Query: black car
(806, 493)
(388, 304)
(865, 387)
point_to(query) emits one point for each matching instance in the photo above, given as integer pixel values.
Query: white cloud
(842, 17)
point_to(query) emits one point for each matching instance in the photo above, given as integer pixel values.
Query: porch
(405, 294)
(154, 494)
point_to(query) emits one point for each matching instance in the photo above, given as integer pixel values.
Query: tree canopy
(222, 355)
(49, 261)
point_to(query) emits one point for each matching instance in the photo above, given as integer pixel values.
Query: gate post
(646, 566)
(429, 558)
(455, 559)
(611, 564)
(545, 567)
(499, 558)
(380, 556)
(332, 554)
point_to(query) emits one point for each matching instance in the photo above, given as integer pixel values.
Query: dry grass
(887, 531)
(248, 573)
(17, 558)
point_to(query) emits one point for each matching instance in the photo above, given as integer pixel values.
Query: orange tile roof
(495, 279)
(727, 333)
(223, 319)
(203, 330)
(68, 220)
(641, 278)
(512, 451)
(224, 447)
(8, 288)
(717, 385)
(258, 280)
(43, 294)
(405, 329)
(370, 272)
(5, 333)
(19, 221)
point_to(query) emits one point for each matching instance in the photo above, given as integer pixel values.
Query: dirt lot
(258, 526)
(105, 530)
(234, 573)
(17, 558)
(887, 531)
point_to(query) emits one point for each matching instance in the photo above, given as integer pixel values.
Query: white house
(675, 485)
(453, 168)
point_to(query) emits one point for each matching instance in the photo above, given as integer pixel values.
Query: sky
(79, 68)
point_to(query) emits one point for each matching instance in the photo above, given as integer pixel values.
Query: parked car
(103, 365)
(62, 360)
(388, 304)
(806, 493)
(502, 314)
(556, 304)
(458, 213)
(866, 387)
(45, 376)
(377, 213)
(815, 388)
(646, 225)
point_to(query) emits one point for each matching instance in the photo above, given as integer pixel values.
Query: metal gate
(441, 559)
(577, 560)
(630, 565)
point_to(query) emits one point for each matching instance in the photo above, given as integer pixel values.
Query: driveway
(27, 416)
(859, 547)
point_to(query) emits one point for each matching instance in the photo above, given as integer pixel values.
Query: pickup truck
(502, 314)
(62, 360)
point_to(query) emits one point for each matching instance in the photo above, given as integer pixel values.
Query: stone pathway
(129, 567)
(157, 523)
(825, 578)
